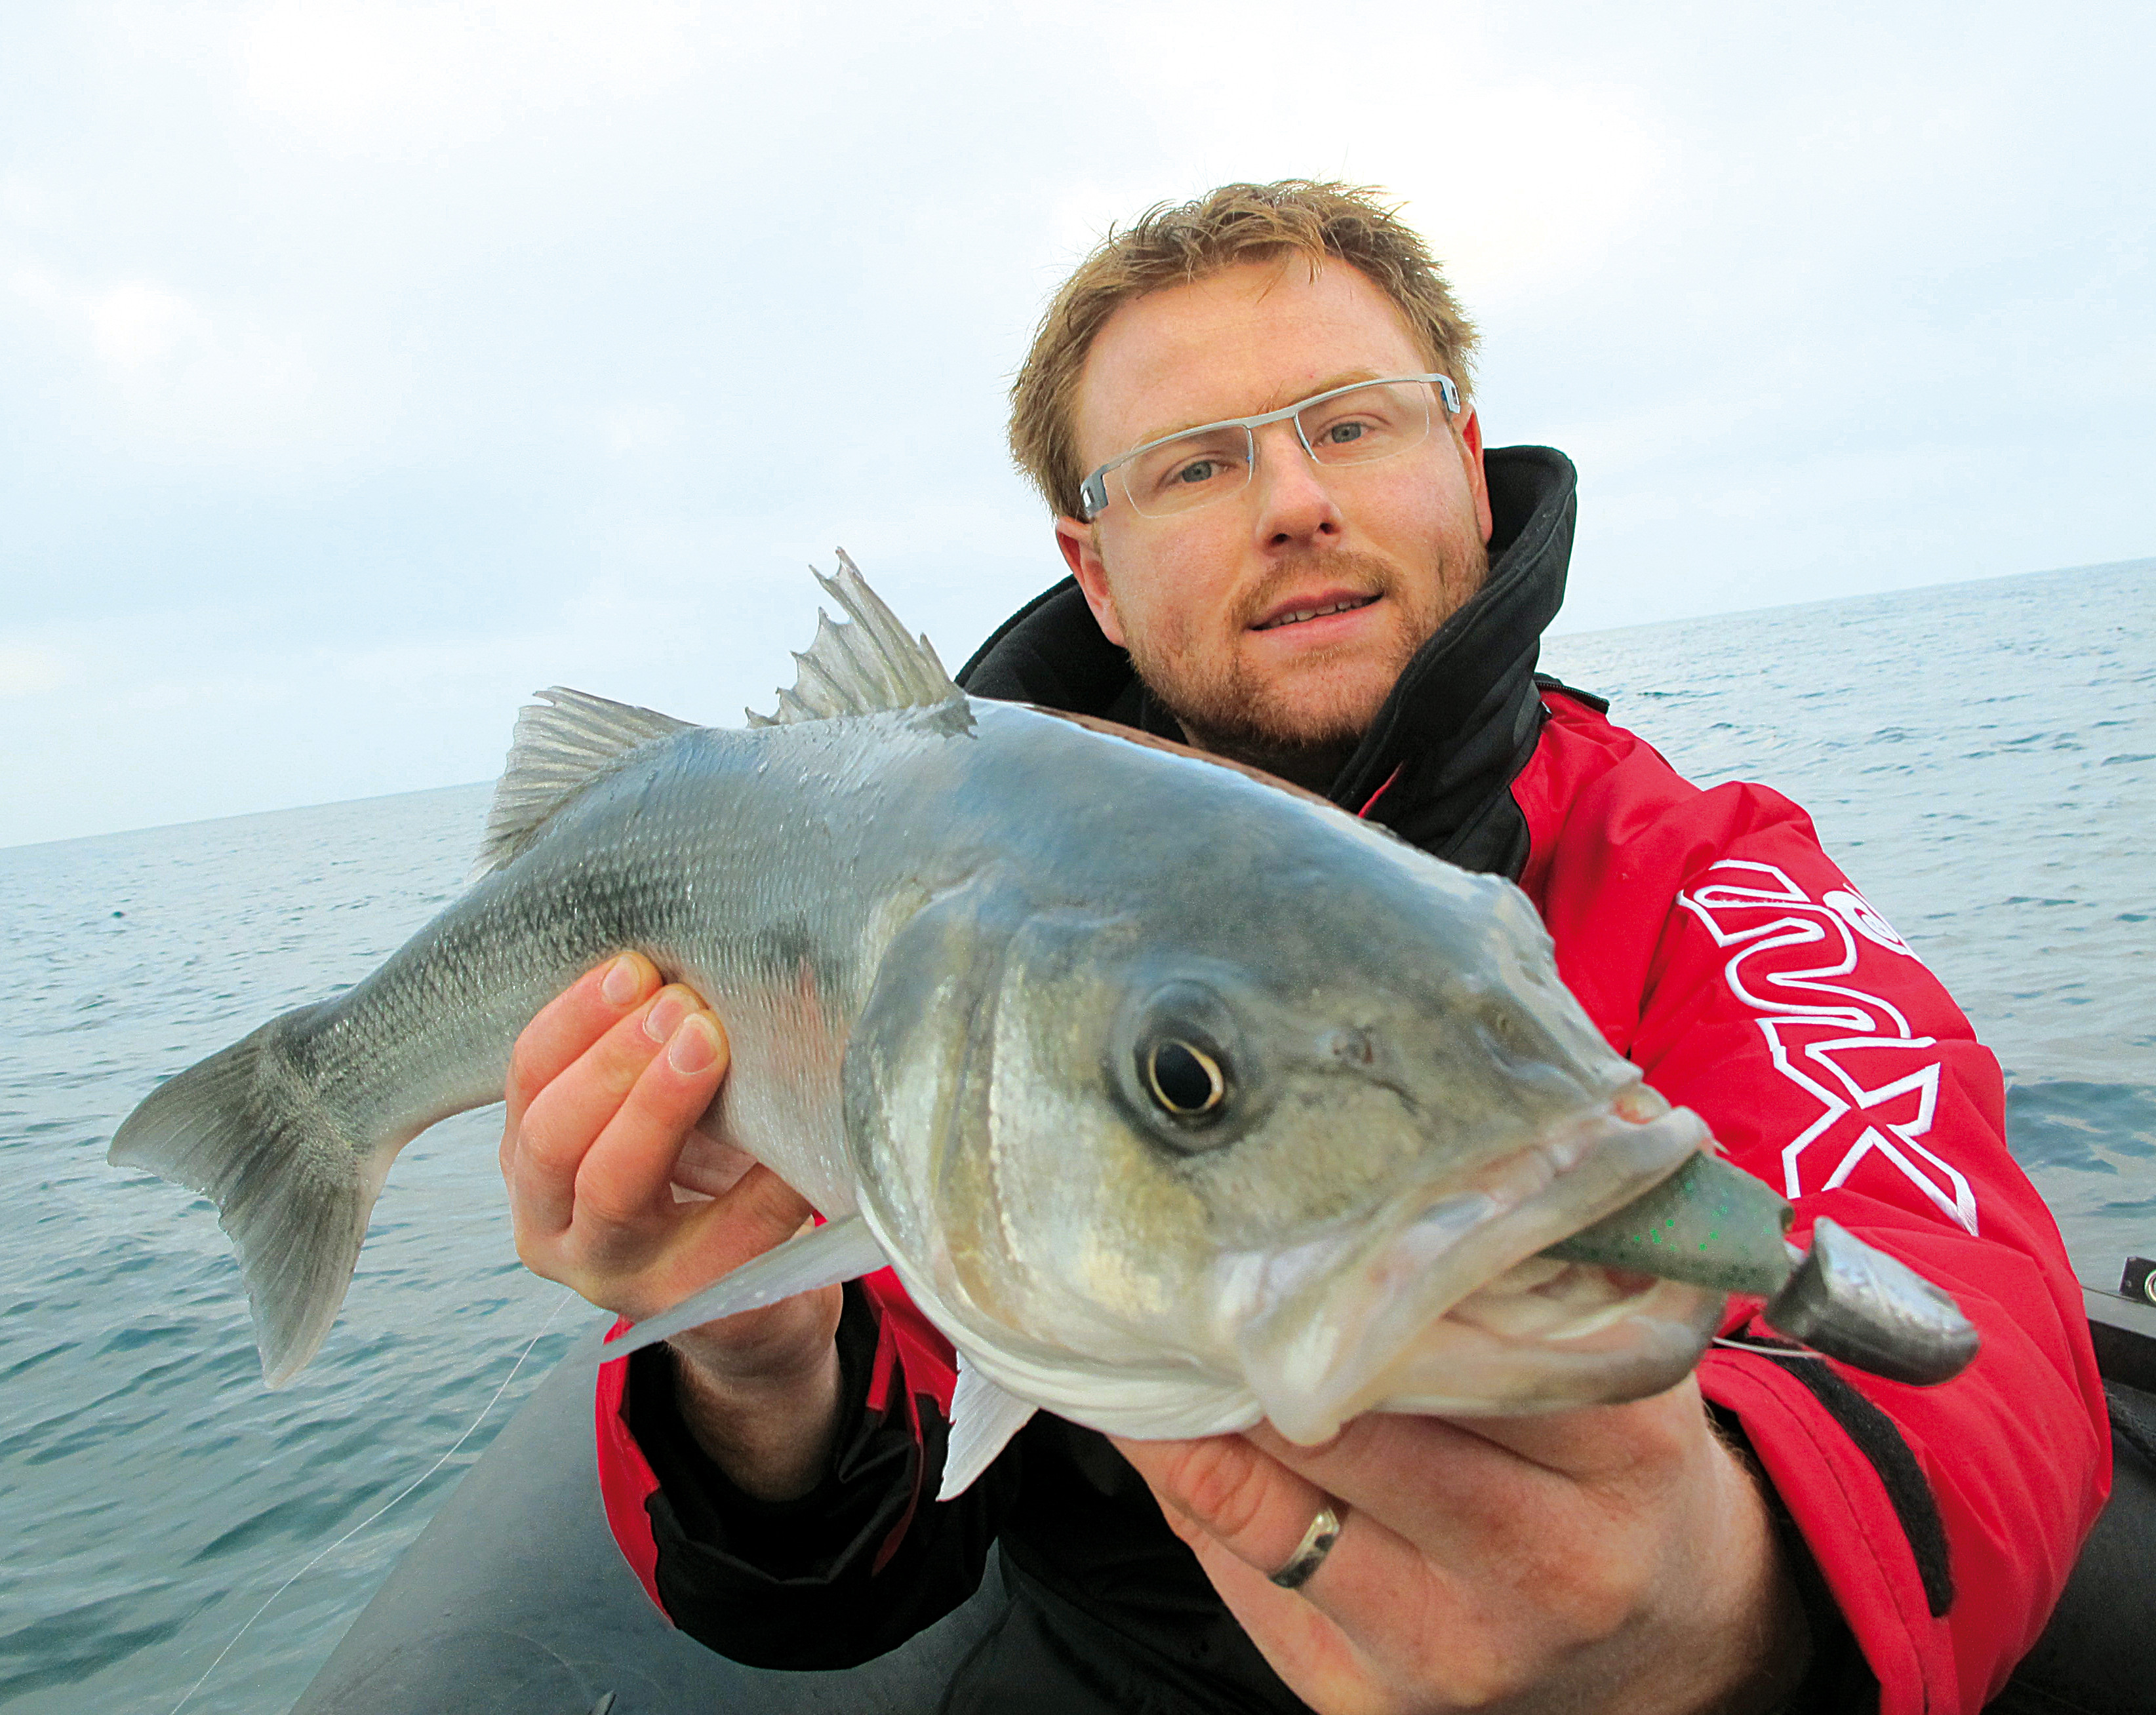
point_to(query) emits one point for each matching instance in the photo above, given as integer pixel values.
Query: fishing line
(449, 1453)
(529, 1346)
(1766, 1351)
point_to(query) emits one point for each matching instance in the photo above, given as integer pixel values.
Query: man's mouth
(1318, 610)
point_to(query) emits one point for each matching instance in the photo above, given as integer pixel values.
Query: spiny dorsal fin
(562, 744)
(861, 666)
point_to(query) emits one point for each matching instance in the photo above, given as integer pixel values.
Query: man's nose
(1295, 502)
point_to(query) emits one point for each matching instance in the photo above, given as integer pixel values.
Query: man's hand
(605, 1088)
(1616, 1558)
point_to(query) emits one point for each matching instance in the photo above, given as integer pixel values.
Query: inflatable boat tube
(514, 1600)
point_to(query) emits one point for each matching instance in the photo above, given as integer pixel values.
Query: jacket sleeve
(844, 1573)
(1720, 948)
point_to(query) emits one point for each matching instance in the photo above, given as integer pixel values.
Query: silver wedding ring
(1311, 1552)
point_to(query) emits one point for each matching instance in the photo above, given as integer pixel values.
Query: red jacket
(1726, 955)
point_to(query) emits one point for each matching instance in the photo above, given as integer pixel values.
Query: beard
(1303, 721)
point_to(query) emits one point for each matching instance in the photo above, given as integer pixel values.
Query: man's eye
(1198, 470)
(1342, 434)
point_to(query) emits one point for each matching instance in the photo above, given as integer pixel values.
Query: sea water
(1981, 757)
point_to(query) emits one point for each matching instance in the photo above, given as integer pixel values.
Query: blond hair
(1174, 244)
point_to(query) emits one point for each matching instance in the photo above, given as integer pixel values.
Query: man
(1200, 407)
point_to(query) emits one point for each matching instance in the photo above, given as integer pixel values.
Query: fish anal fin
(984, 1419)
(562, 744)
(863, 664)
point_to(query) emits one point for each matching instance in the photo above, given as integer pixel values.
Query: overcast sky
(370, 365)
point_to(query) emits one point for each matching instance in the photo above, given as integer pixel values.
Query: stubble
(1302, 723)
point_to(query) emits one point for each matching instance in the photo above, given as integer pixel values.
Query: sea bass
(1177, 1098)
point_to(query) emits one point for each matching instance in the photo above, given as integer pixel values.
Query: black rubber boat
(514, 1600)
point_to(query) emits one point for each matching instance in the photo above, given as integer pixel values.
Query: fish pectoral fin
(983, 1418)
(561, 745)
(863, 664)
(841, 1249)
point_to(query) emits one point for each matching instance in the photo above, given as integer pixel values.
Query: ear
(1081, 552)
(1469, 431)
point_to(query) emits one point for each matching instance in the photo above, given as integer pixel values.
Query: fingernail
(695, 1048)
(621, 981)
(666, 1014)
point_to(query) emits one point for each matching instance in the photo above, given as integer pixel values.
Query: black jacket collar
(1459, 725)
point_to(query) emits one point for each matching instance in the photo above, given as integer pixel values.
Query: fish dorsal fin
(983, 1418)
(562, 744)
(861, 664)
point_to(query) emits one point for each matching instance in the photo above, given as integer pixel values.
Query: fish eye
(1180, 1067)
(1184, 1079)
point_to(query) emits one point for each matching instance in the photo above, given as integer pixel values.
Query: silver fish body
(1175, 1100)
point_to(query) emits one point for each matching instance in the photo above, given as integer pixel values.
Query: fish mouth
(1441, 1303)
(1544, 1336)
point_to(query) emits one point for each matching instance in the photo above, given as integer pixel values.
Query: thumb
(758, 1213)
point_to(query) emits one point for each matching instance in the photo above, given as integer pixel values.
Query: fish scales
(1177, 1099)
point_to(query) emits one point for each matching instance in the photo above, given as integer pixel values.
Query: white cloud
(389, 79)
(401, 350)
(195, 385)
(1515, 176)
(1551, 175)
(24, 200)
(34, 669)
(134, 324)
(631, 427)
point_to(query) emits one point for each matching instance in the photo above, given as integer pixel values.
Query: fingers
(1475, 1562)
(1376, 1617)
(623, 1185)
(619, 1111)
(1243, 1515)
(1420, 1502)
(1222, 1486)
(710, 1163)
(758, 1212)
(572, 1021)
(606, 1090)
(1440, 1482)
(1453, 1486)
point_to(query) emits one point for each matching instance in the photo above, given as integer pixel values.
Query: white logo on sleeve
(1852, 1052)
(1860, 914)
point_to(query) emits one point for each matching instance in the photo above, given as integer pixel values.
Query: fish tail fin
(249, 1130)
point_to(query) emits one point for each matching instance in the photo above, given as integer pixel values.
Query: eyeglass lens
(1359, 427)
